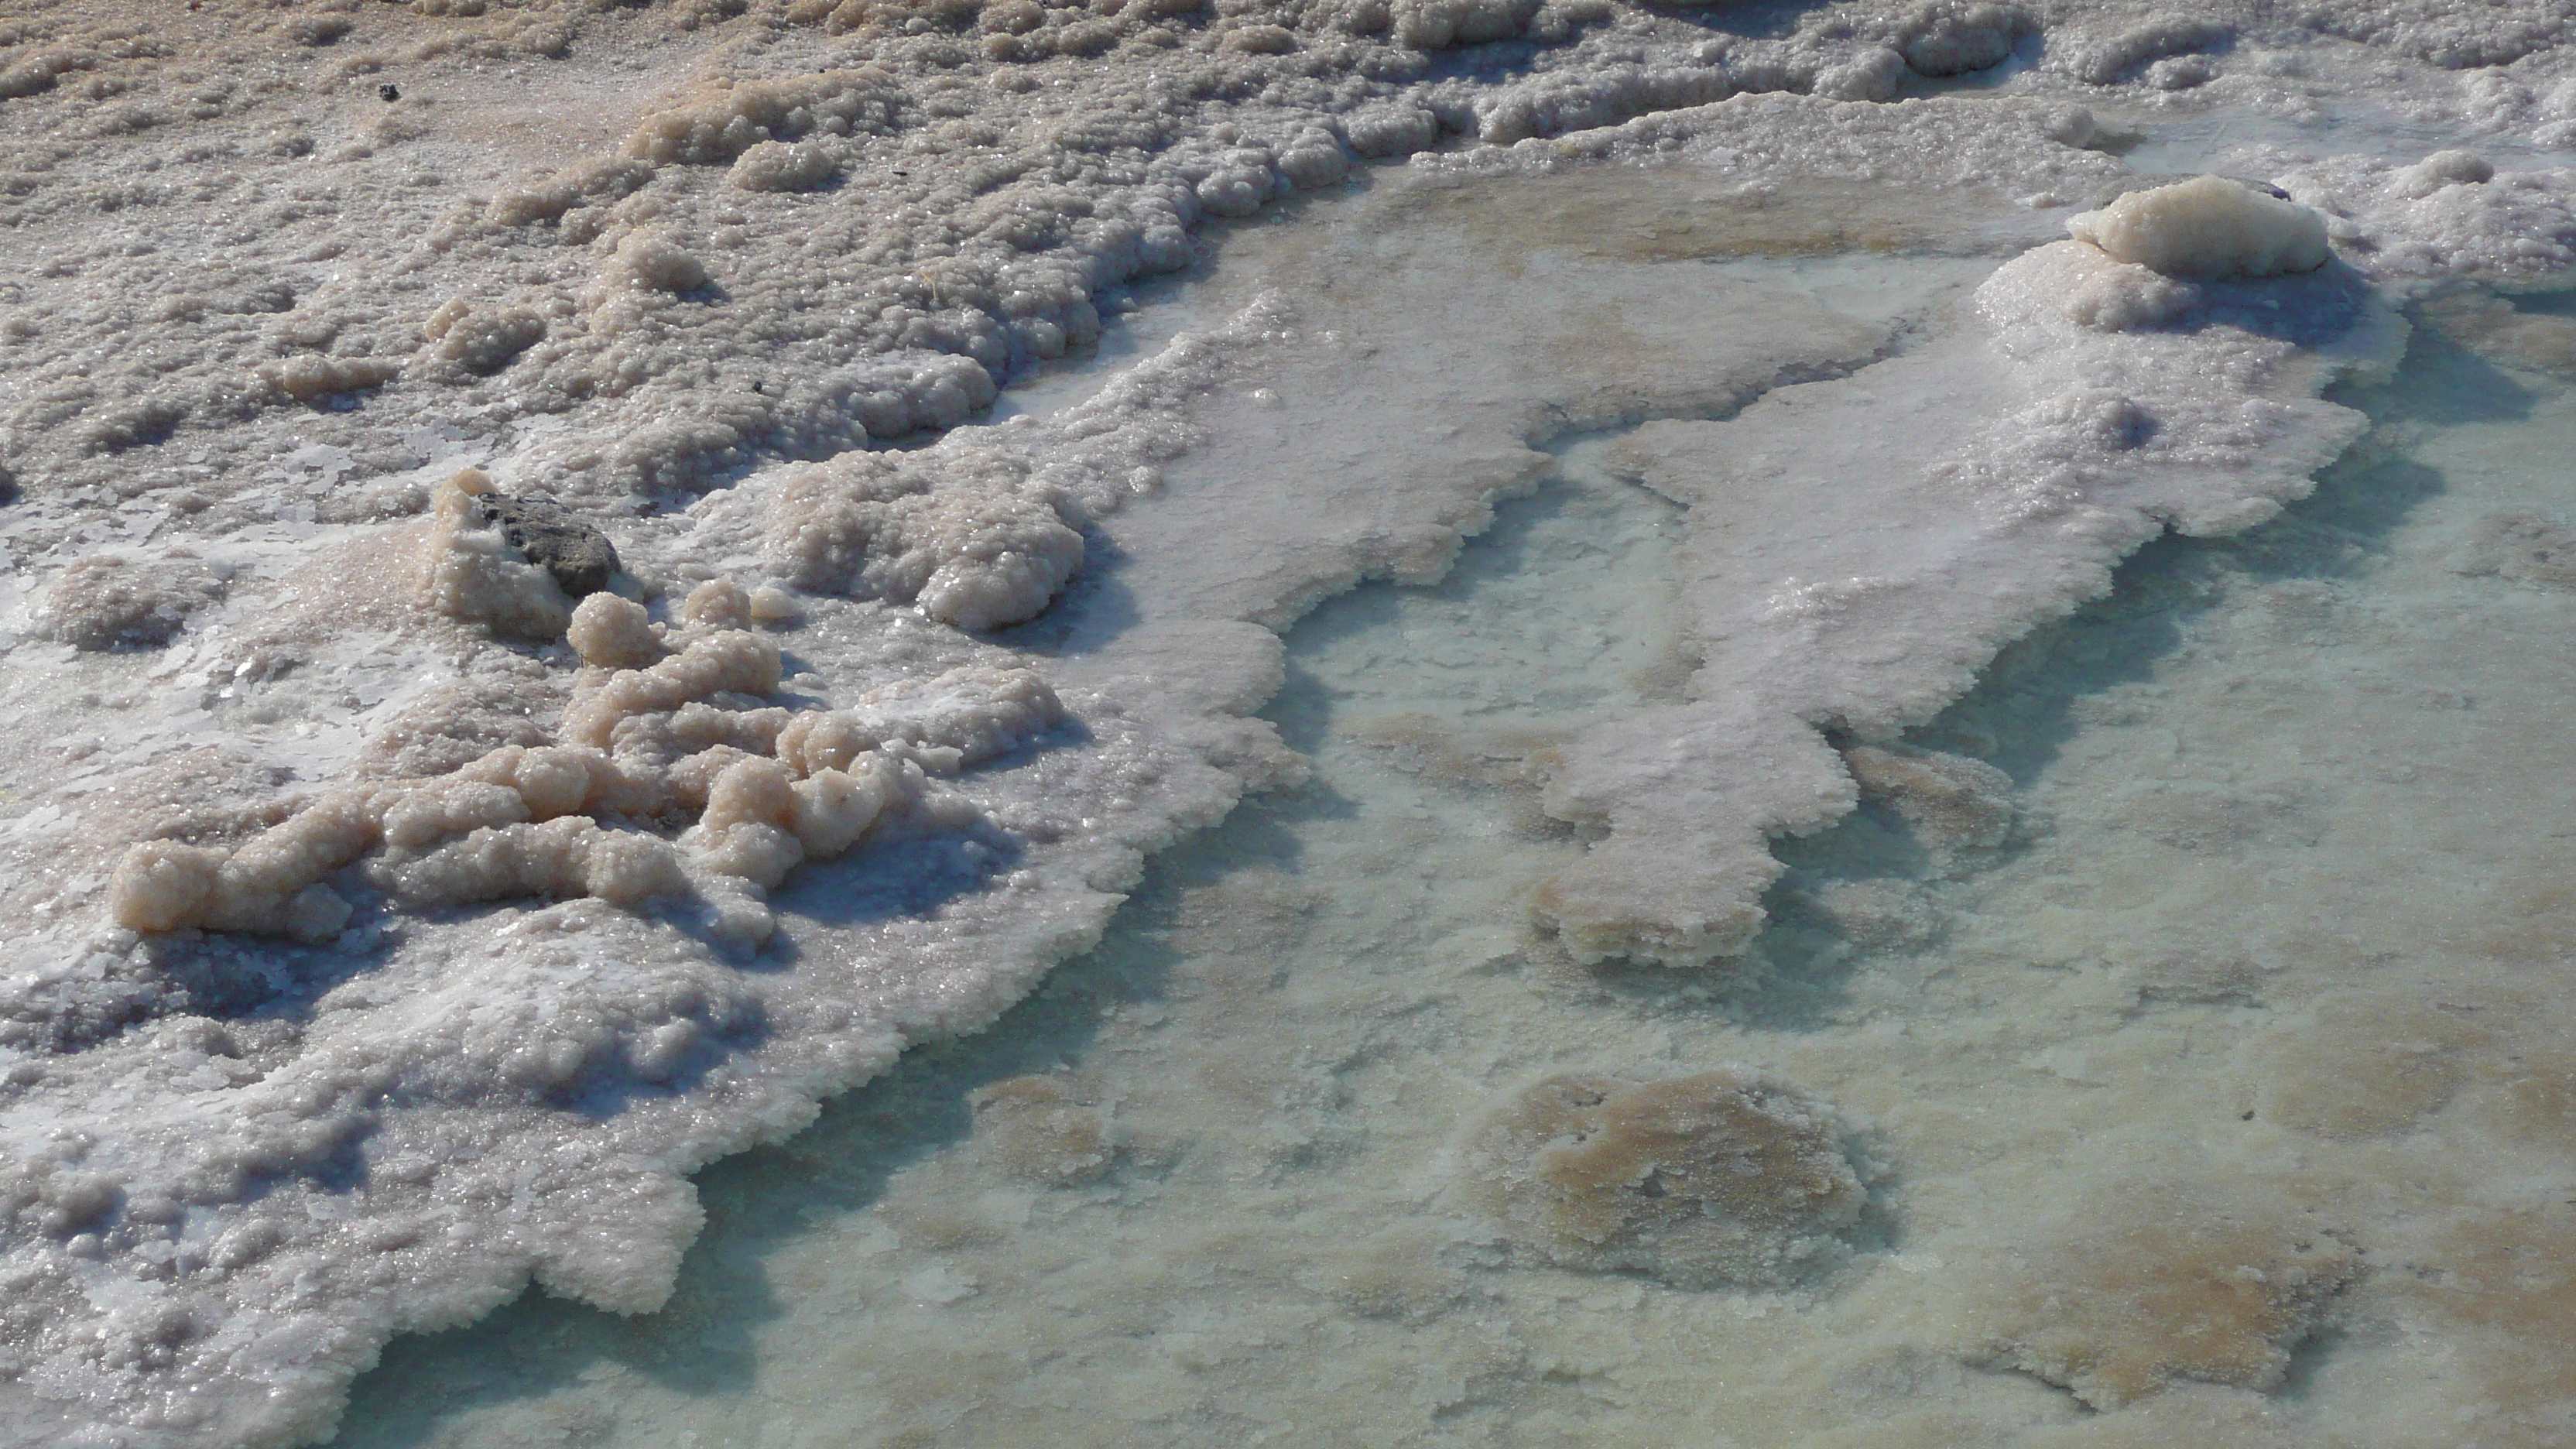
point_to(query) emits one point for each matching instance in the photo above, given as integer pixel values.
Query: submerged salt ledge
(473, 1099)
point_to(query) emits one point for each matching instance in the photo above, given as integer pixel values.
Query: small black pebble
(389, 91)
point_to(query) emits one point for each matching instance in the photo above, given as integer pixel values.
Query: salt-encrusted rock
(469, 571)
(579, 557)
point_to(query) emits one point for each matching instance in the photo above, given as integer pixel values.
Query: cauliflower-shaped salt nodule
(610, 632)
(1948, 37)
(481, 339)
(2209, 227)
(312, 375)
(643, 750)
(2443, 168)
(781, 166)
(978, 549)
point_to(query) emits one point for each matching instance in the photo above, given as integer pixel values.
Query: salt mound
(106, 602)
(2207, 227)
(1726, 1176)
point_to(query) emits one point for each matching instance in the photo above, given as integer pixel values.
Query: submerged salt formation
(2161, 1287)
(2098, 401)
(1723, 1177)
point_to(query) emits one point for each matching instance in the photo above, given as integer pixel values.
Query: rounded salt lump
(2209, 228)
(1725, 1176)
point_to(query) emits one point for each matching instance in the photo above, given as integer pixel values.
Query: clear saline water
(2279, 924)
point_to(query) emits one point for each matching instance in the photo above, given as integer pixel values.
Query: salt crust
(641, 746)
(936, 259)
(2110, 401)
(988, 260)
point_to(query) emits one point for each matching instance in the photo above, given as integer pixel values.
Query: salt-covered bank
(538, 671)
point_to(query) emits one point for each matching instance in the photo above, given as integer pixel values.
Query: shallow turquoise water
(2270, 787)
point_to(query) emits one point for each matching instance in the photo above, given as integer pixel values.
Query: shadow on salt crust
(1731, 1176)
(2146, 1285)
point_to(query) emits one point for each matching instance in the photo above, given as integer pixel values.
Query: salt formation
(263, 291)
(2156, 1286)
(1723, 1177)
(2110, 399)
(1045, 1129)
(109, 601)
(644, 747)
(2209, 226)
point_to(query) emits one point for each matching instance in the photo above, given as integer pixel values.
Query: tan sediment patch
(1725, 1176)
(2505, 1283)
(2149, 1287)
(1048, 1128)
(2495, 329)
(2363, 1065)
(1950, 800)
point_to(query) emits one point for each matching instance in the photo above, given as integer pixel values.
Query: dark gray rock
(555, 539)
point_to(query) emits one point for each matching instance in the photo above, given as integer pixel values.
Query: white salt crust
(804, 229)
